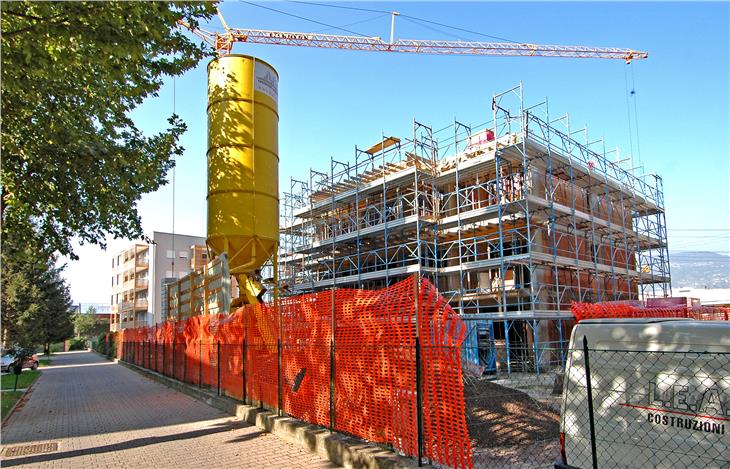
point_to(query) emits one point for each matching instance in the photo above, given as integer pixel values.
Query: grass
(25, 379)
(44, 361)
(9, 398)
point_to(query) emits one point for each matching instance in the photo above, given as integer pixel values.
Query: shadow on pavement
(137, 443)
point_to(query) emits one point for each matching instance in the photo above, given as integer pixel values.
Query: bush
(57, 347)
(77, 344)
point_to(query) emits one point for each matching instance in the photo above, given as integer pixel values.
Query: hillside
(699, 269)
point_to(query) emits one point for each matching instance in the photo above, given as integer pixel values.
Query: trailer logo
(679, 406)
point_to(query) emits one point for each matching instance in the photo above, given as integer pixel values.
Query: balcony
(142, 263)
(141, 283)
(140, 304)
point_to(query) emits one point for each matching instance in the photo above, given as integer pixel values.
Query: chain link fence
(627, 408)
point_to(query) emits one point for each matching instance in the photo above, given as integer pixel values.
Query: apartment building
(140, 272)
(130, 286)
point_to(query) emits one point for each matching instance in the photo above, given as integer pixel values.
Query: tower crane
(243, 155)
(223, 44)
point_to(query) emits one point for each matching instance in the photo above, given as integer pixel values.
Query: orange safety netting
(359, 378)
(626, 310)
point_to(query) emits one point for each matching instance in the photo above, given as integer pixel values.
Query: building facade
(130, 287)
(174, 256)
(140, 272)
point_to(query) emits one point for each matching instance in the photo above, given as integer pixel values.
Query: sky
(675, 124)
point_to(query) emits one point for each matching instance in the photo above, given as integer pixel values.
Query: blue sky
(331, 100)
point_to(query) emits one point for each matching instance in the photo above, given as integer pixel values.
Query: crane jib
(223, 42)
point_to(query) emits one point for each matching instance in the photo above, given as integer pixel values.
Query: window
(170, 254)
(112, 262)
(112, 302)
(183, 254)
(168, 273)
(205, 255)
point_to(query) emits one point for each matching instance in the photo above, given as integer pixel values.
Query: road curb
(338, 448)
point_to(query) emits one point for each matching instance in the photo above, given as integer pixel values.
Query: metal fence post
(419, 402)
(278, 375)
(419, 390)
(333, 407)
(589, 391)
(243, 370)
(172, 352)
(218, 363)
(332, 383)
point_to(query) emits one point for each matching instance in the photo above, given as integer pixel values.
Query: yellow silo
(243, 164)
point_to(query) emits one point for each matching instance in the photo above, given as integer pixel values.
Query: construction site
(420, 294)
(512, 221)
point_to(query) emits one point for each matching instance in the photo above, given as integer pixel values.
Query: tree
(87, 325)
(21, 293)
(37, 306)
(74, 163)
(55, 321)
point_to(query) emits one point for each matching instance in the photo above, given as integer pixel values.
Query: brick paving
(104, 415)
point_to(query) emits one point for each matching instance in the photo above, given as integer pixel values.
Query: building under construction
(512, 221)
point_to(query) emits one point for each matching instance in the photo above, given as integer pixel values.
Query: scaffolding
(512, 220)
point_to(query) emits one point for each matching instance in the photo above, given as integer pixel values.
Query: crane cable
(628, 117)
(305, 19)
(633, 130)
(636, 114)
(406, 16)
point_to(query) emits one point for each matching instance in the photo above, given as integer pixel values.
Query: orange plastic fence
(344, 359)
(625, 310)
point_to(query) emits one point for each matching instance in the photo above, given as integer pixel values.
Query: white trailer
(660, 392)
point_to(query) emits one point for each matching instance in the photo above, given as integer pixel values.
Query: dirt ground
(508, 427)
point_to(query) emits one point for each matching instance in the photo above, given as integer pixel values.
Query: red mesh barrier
(305, 357)
(625, 310)
(285, 351)
(229, 333)
(261, 327)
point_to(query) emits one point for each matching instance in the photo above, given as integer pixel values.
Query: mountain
(699, 269)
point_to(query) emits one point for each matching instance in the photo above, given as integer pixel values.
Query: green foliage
(36, 302)
(74, 163)
(57, 347)
(77, 344)
(106, 344)
(87, 325)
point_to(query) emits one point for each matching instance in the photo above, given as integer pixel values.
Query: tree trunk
(46, 349)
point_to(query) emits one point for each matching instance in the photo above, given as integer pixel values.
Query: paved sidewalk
(104, 415)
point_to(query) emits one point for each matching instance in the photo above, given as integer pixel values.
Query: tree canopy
(74, 163)
(87, 325)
